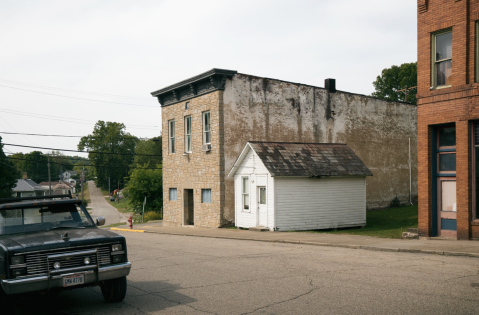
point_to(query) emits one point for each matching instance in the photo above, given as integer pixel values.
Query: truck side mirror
(100, 221)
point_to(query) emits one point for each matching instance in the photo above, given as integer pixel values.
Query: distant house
(290, 186)
(62, 188)
(68, 174)
(46, 185)
(28, 188)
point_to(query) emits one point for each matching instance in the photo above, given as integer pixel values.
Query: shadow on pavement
(142, 297)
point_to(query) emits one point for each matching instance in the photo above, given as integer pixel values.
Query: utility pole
(49, 178)
(410, 180)
(405, 90)
(81, 180)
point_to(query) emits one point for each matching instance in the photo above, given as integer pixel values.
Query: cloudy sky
(100, 59)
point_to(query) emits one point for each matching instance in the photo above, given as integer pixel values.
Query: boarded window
(206, 195)
(173, 194)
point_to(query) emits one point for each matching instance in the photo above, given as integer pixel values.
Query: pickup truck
(51, 243)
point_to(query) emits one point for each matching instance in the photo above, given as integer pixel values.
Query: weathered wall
(197, 170)
(259, 109)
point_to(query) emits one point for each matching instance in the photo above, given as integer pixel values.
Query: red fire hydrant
(130, 221)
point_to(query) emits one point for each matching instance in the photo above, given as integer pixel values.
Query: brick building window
(173, 194)
(206, 127)
(475, 170)
(188, 134)
(442, 58)
(171, 136)
(206, 195)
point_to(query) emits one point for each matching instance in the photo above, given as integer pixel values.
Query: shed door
(262, 206)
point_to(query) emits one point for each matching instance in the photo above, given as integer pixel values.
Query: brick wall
(198, 170)
(457, 104)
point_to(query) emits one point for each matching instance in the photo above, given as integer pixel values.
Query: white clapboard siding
(252, 167)
(329, 202)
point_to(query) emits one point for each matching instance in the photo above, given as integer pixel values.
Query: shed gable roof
(309, 159)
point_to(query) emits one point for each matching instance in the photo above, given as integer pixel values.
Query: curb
(127, 230)
(364, 247)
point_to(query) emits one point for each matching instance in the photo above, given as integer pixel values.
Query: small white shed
(287, 186)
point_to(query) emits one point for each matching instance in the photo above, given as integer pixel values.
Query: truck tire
(114, 290)
(7, 304)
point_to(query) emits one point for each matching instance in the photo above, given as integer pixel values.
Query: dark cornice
(204, 83)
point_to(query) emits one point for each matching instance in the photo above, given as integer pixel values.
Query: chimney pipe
(330, 85)
(24, 175)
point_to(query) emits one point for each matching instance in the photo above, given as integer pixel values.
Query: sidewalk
(426, 246)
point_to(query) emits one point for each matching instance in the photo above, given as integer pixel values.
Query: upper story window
(188, 134)
(187, 105)
(206, 127)
(171, 136)
(442, 58)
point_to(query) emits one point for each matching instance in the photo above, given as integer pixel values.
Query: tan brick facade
(197, 170)
(457, 104)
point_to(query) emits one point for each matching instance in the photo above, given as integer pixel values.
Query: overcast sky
(130, 48)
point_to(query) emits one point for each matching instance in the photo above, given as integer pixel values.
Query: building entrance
(189, 210)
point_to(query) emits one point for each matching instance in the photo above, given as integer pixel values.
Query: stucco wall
(258, 109)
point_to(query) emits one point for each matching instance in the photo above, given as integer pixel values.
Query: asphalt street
(194, 275)
(100, 207)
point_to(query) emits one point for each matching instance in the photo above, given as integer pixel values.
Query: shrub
(152, 215)
(85, 202)
(395, 203)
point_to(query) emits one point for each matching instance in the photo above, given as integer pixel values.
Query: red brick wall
(458, 104)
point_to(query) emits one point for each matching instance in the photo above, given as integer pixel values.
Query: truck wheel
(114, 290)
(6, 303)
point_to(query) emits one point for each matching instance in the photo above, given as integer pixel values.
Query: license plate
(73, 280)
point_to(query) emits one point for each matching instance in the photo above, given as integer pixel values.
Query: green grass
(389, 223)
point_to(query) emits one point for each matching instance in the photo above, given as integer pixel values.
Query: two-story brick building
(208, 119)
(448, 118)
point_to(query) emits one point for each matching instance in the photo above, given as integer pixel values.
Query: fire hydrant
(130, 221)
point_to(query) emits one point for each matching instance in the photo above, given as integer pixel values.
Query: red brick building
(448, 118)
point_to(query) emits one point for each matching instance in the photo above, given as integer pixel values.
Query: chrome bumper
(56, 281)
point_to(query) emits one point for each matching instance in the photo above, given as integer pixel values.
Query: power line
(63, 136)
(75, 91)
(26, 146)
(70, 120)
(105, 166)
(78, 98)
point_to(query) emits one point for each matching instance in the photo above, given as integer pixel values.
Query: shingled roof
(308, 159)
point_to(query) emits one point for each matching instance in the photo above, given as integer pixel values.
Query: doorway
(189, 210)
(262, 206)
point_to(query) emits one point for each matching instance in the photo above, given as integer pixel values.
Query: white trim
(186, 134)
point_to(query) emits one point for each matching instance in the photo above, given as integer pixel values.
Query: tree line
(116, 159)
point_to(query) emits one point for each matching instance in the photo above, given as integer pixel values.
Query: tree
(149, 151)
(146, 183)
(59, 164)
(395, 79)
(36, 166)
(115, 148)
(8, 174)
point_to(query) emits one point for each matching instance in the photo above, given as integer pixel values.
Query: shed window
(206, 195)
(442, 58)
(171, 136)
(245, 193)
(188, 134)
(173, 194)
(206, 127)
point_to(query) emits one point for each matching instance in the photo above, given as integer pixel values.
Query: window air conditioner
(206, 147)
